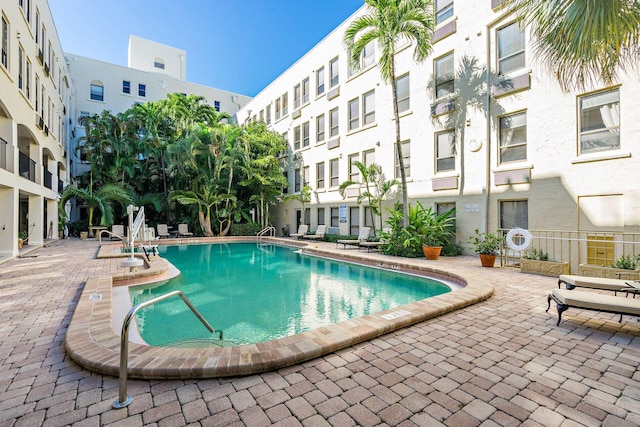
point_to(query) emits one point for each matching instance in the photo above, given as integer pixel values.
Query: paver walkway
(501, 362)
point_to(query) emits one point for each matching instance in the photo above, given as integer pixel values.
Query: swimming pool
(259, 293)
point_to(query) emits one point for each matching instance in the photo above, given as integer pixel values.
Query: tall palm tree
(389, 22)
(584, 41)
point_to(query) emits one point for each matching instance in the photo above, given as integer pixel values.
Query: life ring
(518, 232)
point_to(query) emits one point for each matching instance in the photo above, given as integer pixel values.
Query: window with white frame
(511, 55)
(369, 157)
(268, 114)
(305, 91)
(278, 109)
(320, 176)
(320, 81)
(368, 221)
(158, 63)
(142, 90)
(334, 172)
(305, 134)
(369, 54)
(305, 176)
(285, 104)
(445, 75)
(320, 128)
(335, 217)
(5, 43)
(354, 172)
(445, 151)
(297, 96)
(406, 157)
(444, 10)
(97, 91)
(334, 122)
(599, 121)
(216, 106)
(37, 94)
(37, 32)
(334, 72)
(320, 216)
(402, 92)
(285, 189)
(297, 180)
(126, 86)
(261, 115)
(354, 113)
(513, 137)
(28, 79)
(20, 68)
(296, 137)
(514, 214)
(369, 108)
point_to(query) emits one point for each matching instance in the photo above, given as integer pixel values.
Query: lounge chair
(302, 230)
(574, 281)
(363, 236)
(593, 301)
(183, 230)
(320, 232)
(374, 244)
(117, 232)
(163, 231)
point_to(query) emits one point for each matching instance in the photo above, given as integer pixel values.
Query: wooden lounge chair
(302, 230)
(183, 230)
(573, 281)
(320, 232)
(566, 299)
(363, 236)
(163, 231)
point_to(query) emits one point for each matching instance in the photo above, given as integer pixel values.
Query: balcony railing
(3, 153)
(60, 186)
(48, 179)
(27, 167)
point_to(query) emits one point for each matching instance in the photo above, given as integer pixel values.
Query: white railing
(269, 231)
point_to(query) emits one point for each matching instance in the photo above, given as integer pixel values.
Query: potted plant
(623, 268)
(537, 261)
(487, 245)
(22, 237)
(436, 230)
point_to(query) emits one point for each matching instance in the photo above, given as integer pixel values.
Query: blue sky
(239, 46)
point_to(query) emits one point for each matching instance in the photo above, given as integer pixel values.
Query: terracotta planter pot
(431, 252)
(487, 260)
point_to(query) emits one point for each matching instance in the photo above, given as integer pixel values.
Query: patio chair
(593, 301)
(573, 281)
(363, 236)
(374, 245)
(302, 230)
(117, 232)
(163, 231)
(320, 232)
(183, 230)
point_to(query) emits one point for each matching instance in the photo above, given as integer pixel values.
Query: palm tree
(584, 41)
(389, 22)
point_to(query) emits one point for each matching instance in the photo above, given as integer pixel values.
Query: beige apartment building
(485, 128)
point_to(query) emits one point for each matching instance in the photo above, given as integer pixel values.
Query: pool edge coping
(92, 342)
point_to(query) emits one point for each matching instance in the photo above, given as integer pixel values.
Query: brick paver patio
(500, 362)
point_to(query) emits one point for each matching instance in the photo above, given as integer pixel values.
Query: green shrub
(536, 254)
(245, 229)
(451, 249)
(77, 226)
(626, 262)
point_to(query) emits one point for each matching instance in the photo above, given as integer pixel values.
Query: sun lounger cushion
(302, 230)
(320, 232)
(574, 281)
(593, 301)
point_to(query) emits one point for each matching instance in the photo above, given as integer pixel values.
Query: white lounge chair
(593, 301)
(363, 236)
(117, 231)
(163, 231)
(573, 281)
(183, 230)
(302, 230)
(320, 232)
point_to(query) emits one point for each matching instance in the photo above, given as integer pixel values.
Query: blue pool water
(257, 294)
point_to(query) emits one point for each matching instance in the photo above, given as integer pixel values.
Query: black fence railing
(48, 179)
(3, 153)
(27, 167)
(60, 186)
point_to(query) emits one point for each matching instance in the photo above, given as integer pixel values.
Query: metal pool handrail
(123, 399)
(270, 231)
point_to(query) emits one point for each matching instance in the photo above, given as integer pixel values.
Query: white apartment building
(485, 128)
(154, 70)
(35, 100)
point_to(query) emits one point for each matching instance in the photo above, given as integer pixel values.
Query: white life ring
(518, 232)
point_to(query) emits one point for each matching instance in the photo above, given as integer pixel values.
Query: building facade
(35, 111)
(485, 128)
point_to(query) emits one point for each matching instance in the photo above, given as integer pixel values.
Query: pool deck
(501, 361)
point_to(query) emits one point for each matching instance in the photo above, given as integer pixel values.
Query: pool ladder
(269, 231)
(123, 399)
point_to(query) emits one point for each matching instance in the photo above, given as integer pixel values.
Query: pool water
(259, 293)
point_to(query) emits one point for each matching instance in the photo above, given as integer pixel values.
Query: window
(5, 43)
(369, 54)
(444, 71)
(402, 92)
(513, 137)
(158, 63)
(37, 97)
(261, 115)
(216, 106)
(285, 190)
(20, 68)
(278, 109)
(285, 104)
(296, 137)
(334, 72)
(297, 93)
(320, 81)
(354, 172)
(335, 217)
(126, 86)
(510, 49)
(305, 176)
(406, 157)
(37, 33)
(320, 216)
(28, 80)
(320, 175)
(334, 128)
(297, 179)
(368, 157)
(305, 134)
(97, 91)
(599, 121)
(444, 10)
(445, 151)
(268, 114)
(368, 108)
(142, 90)
(305, 91)
(334, 172)
(354, 114)
(320, 128)
(514, 213)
